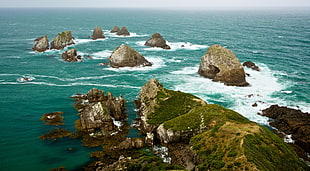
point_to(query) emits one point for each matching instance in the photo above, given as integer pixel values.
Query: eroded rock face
(220, 64)
(157, 41)
(125, 56)
(123, 32)
(292, 122)
(41, 44)
(251, 65)
(71, 56)
(115, 29)
(98, 33)
(62, 40)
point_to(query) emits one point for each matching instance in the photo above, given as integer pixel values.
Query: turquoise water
(278, 41)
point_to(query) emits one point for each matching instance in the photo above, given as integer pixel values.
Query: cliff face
(220, 64)
(62, 40)
(216, 138)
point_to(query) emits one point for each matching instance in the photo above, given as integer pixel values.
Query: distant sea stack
(98, 33)
(157, 41)
(123, 32)
(115, 29)
(62, 40)
(125, 56)
(221, 65)
(71, 56)
(41, 44)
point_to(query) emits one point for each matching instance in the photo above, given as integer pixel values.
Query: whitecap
(174, 46)
(288, 139)
(101, 54)
(82, 41)
(131, 35)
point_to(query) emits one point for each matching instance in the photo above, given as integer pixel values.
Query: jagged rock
(41, 44)
(157, 41)
(251, 65)
(71, 56)
(130, 143)
(54, 118)
(115, 29)
(292, 122)
(125, 56)
(98, 33)
(62, 40)
(123, 32)
(220, 64)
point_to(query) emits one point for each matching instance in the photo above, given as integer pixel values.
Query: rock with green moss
(62, 40)
(125, 56)
(221, 65)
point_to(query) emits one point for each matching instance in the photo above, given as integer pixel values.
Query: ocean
(277, 40)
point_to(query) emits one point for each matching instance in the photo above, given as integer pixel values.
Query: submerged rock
(41, 44)
(54, 118)
(220, 64)
(157, 41)
(125, 56)
(71, 56)
(62, 40)
(123, 32)
(97, 33)
(115, 29)
(251, 65)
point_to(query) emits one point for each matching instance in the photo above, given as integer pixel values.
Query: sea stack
(157, 41)
(98, 33)
(123, 32)
(115, 29)
(41, 44)
(71, 56)
(62, 40)
(125, 56)
(221, 65)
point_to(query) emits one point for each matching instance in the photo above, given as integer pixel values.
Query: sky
(154, 3)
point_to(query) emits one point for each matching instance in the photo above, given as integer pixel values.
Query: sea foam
(174, 46)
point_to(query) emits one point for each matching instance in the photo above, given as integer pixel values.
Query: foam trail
(102, 54)
(174, 46)
(131, 35)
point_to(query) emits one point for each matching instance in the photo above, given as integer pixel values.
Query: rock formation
(125, 56)
(115, 29)
(157, 41)
(97, 33)
(123, 32)
(251, 65)
(292, 122)
(62, 40)
(41, 44)
(71, 56)
(220, 64)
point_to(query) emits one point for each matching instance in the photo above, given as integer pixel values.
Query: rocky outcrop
(54, 118)
(125, 56)
(251, 65)
(123, 32)
(97, 33)
(220, 64)
(41, 44)
(292, 122)
(62, 40)
(115, 29)
(157, 41)
(71, 56)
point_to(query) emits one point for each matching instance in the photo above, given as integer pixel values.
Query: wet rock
(98, 33)
(125, 56)
(251, 65)
(41, 44)
(157, 41)
(221, 65)
(71, 56)
(54, 118)
(62, 40)
(115, 29)
(123, 32)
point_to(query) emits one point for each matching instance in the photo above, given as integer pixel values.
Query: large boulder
(115, 29)
(157, 41)
(123, 32)
(62, 40)
(97, 33)
(125, 56)
(71, 56)
(41, 44)
(220, 64)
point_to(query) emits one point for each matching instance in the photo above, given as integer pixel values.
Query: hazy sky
(153, 3)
